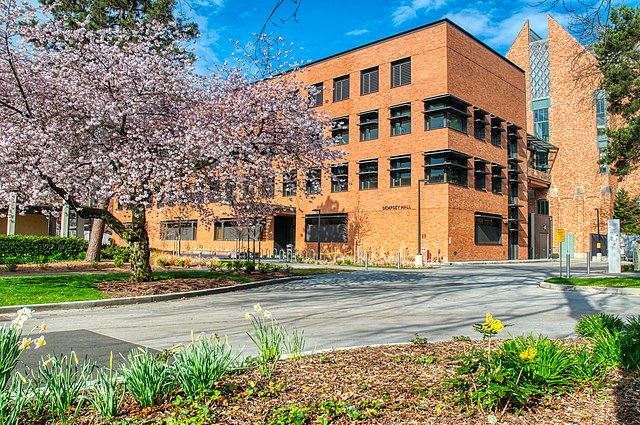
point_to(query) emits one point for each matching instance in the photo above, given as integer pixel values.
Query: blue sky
(327, 27)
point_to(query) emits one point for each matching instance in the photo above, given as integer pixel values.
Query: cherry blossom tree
(114, 115)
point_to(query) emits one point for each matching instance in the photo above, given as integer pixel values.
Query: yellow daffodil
(247, 315)
(46, 362)
(40, 342)
(528, 354)
(257, 308)
(75, 357)
(22, 378)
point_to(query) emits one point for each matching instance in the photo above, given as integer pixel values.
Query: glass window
(480, 124)
(541, 123)
(446, 111)
(496, 131)
(314, 181)
(400, 171)
(446, 166)
(601, 114)
(233, 230)
(542, 206)
(341, 88)
(496, 178)
(369, 80)
(400, 119)
(316, 97)
(368, 174)
(333, 228)
(340, 178)
(480, 174)
(369, 126)
(178, 230)
(290, 183)
(340, 130)
(488, 230)
(401, 72)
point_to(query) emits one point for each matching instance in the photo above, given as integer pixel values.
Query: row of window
(369, 82)
(439, 112)
(326, 227)
(442, 166)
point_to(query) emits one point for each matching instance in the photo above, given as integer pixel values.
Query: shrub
(591, 325)
(198, 366)
(111, 252)
(40, 249)
(10, 264)
(163, 262)
(147, 377)
(249, 267)
(630, 344)
(118, 262)
(181, 262)
(265, 267)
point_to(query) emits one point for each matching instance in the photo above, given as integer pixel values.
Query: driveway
(345, 309)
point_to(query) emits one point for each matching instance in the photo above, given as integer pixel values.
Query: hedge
(28, 249)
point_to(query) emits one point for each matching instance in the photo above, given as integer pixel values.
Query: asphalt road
(344, 309)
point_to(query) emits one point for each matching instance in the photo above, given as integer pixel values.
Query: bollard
(588, 263)
(398, 260)
(568, 266)
(366, 261)
(560, 257)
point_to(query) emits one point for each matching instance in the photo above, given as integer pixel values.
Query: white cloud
(358, 32)
(407, 12)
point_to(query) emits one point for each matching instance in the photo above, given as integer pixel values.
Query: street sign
(424, 236)
(559, 235)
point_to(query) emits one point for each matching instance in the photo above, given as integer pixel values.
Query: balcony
(538, 179)
(542, 156)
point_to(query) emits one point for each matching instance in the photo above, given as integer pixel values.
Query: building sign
(559, 235)
(395, 207)
(613, 242)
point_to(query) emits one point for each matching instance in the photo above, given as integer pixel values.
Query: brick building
(566, 107)
(432, 121)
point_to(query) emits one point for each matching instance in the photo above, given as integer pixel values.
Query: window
(542, 206)
(368, 174)
(314, 182)
(401, 72)
(541, 124)
(480, 173)
(604, 168)
(496, 130)
(333, 228)
(446, 111)
(369, 125)
(488, 229)
(400, 119)
(400, 171)
(340, 130)
(316, 97)
(229, 229)
(341, 88)
(479, 124)
(369, 81)
(290, 183)
(601, 114)
(446, 166)
(496, 178)
(340, 178)
(178, 230)
(513, 136)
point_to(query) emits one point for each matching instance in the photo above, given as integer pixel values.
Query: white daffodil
(40, 342)
(247, 315)
(257, 308)
(25, 343)
(267, 314)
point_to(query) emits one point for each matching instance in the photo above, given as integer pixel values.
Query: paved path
(347, 309)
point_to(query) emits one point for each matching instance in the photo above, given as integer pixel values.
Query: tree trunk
(95, 237)
(139, 246)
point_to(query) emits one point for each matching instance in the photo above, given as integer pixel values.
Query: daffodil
(267, 314)
(47, 362)
(43, 327)
(25, 343)
(528, 354)
(22, 378)
(257, 308)
(40, 342)
(247, 315)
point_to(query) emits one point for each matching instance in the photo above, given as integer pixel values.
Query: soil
(64, 267)
(403, 384)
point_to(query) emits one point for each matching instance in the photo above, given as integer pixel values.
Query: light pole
(419, 259)
(318, 232)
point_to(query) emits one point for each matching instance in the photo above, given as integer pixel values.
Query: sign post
(613, 246)
(559, 237)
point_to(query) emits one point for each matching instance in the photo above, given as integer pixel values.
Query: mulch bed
(123, 288)
(63, 267)
(404, 382)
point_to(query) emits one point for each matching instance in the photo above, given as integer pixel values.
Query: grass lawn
(25, 289)
(613, 282)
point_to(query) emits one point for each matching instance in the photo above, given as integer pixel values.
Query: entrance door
(284, 232)
(513, 244)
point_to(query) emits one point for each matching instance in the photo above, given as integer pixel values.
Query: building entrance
(284, 232)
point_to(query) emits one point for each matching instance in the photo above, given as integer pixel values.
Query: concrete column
(79, 227)
(12, 213)
(64, 221)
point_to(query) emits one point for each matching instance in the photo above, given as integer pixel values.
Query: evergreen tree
(628, 211)
(618, 55)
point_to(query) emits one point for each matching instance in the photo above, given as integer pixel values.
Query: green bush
(113, 252)
(612, 341)
(40, 249)
(10, 264)
(147, 377)
(249, 267)
(591, 325)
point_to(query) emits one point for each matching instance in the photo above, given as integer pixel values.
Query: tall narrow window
(541, 123)
(496, 130)
(368, 125)
(368, 174)
(480, 173)
(480, 124)
(601, 115)
(400, 119)
(400, 171)
(314, 182)
(401, 72)
(446, 111)
(316, 97)
(542, 206)
(369, 80)
(496, 178)
(341, 88)
(290, 183)
(340, 178)
(340, 130)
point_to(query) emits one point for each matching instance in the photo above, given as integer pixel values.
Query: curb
(145, 299)
(591, 289)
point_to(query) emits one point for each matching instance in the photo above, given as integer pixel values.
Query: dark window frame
(340, 129)
(313, 184)
(484, 225)
(317, 99)
(398, 170)
(184, 230)
(340, 178)
(400, 118)
(341, 88)
(480, 174)
(401, 72)
(446, 166)
(290, 183)
(369, 121)
(446, 111)
(370, 80)
(365, 174)
(337, 233)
